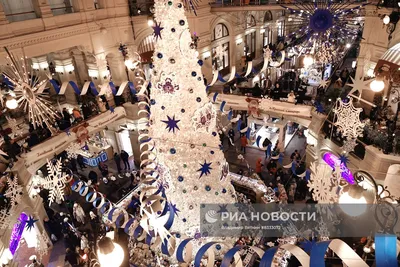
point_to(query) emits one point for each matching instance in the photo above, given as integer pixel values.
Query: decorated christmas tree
(190, 162)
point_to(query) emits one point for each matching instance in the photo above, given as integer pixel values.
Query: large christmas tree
(183, 124)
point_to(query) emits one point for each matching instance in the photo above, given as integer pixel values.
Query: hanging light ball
(109, 253)
(377, 85)
(150, 22)
(353, 195)
(386, 20)
(308, 60)
(11, 103)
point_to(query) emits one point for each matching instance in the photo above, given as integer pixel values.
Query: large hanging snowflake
(55, 181)
(349, 145)
(14, 191)
(321, 184)
(73, 150)
(28, 91)
(348, 119)
(204, 119)
(358, 84)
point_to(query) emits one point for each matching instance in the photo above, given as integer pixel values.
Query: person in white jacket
(291, 97)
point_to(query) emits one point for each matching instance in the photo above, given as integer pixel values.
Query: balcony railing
(14, 17)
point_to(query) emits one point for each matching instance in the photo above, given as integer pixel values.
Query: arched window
(250, 21)
(146, 48)
(267, 16)
(220, 31)
(18, 10)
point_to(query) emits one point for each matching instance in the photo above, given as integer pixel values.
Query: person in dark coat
(117, 159)
(256, 91)
(80, 161)
(231, 135)
(93, 177)
(72, 257)
(67, 118)
(103, 169)
(125, 159)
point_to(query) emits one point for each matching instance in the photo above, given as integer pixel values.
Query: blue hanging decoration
(280, 159)
(386, 250)
(308, 174)
(268, 151)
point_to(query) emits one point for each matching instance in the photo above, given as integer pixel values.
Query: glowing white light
(386, 20)
(308, 60)
(69, 68)
(59, 69)
(348, 45)
(106, 73)
(11, 103)
(353, 64)
(206, 54)
(93, 73)
(114, 258)
(44, 65)
(377, 85)
(345, 198)
(129, 63)
(370, 73)
(150, 22)
(262, 31)
(35, 66)
(367, 249)
(239, 41)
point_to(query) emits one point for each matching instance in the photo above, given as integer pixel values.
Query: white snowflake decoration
(14, 191)
(12, 123)
(42, 245)
(348, 119)
(204, 118)
(55, 181)
(5, 219)
(73, 150)
(349, 145)
(324, 190)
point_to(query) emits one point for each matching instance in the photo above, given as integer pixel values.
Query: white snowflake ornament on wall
(14, 191)
(55, 181)
(323, 188)
(348, 119)
(204, 119)
(42, 245)
(73, 150)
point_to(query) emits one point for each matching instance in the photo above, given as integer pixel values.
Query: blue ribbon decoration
(201, 252)
(220, 78)
(386, 250)
(55, 85)
(293, 167)
(181, 247)
(280, 159)
(237, 75)
(230, 113)
(268, 151)
(239, 124)
(268, 257)
(92, 87)
(317, 255)
(221, 108)
(228, 257)
(215, 97)
(248, 133)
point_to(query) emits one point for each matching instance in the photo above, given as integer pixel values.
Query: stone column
(81, 69)
(78, 5)
(42, 8)
(101, 63)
